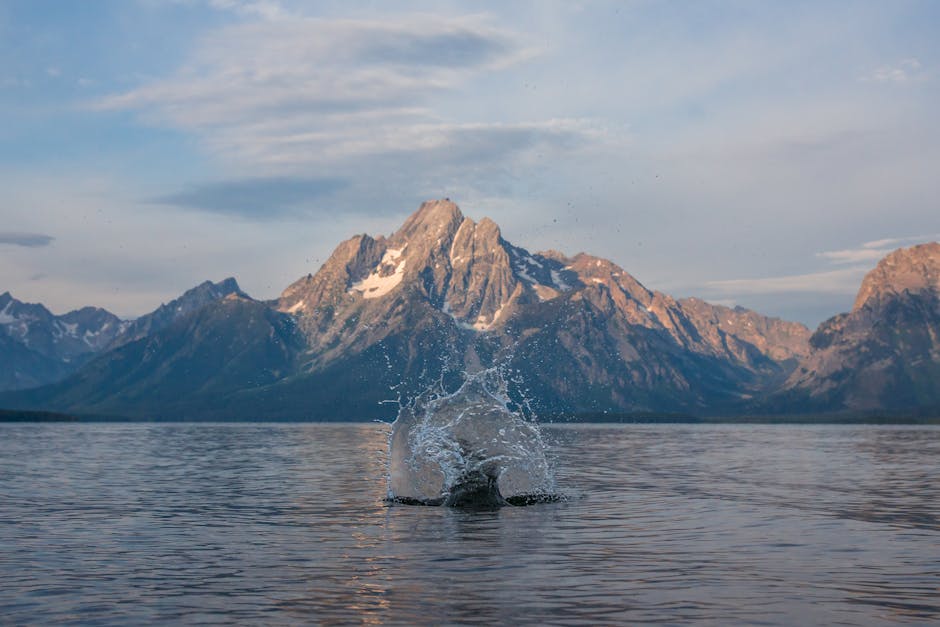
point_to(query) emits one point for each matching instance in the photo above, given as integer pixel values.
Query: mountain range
(384, 318)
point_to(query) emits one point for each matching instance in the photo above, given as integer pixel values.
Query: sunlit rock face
(885, 353)
(914, 271)
(458, 267)
(452, 449)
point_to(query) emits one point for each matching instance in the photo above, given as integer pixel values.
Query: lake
(285, 523)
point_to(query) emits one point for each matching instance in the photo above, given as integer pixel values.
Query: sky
(764, 154)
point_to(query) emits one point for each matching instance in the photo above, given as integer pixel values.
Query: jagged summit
(462, 268)
(37, 346)
(913, 270)
(192, 300)
(434, 218)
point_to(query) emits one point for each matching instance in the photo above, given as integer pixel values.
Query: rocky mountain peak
(461, 267)
(50, 346)
(12, 309)
(886, 351)
(593, 270)
(192, 300)
(441, 264)
(432, 220)
(914, 270)
(213, 291)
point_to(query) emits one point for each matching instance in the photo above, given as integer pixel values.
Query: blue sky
(764, 154)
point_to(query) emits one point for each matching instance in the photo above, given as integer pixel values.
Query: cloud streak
(265, 9)
(293, 93)
(26, 240)
(840, 281)
(259, 198)
(905, 71)
(844, 281)
(874, 250)
(382, 103)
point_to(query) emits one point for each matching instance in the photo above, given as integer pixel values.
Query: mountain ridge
(42, 348)
(387, 316)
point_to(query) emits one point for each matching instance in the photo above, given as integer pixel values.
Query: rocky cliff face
(461, 268)
(40, 347)
(885, 353)
(610, 344)
(911, 271)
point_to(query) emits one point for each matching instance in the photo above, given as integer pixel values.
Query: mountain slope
(187, 368)
(166, 314)
(40, 347)
(885, 353)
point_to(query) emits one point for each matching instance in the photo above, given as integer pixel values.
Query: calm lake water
(274, 524)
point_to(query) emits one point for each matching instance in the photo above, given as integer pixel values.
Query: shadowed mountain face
(196, 365)
(191, 301)
(385, 316)
(38, 347)
(885, 353)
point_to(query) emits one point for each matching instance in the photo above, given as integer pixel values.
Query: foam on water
(440, 441)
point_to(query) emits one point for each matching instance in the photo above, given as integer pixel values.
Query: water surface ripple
(285, 524)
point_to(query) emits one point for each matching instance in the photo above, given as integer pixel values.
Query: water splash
(468, 448)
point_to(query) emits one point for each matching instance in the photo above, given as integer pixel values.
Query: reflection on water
(285, 523)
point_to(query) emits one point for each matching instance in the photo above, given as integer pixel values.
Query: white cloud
(291, 94)
(854, 255)
(265, 9)
(841, 281)
(845, 281)
(893, 242)
(905, 71)
(874, 250)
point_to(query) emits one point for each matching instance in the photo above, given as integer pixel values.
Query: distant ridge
(39, 347)
(34, 416)
(386, 316)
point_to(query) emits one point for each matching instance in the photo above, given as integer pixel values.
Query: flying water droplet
(468, 448)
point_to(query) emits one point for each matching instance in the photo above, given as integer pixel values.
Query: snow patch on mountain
(559, 282)
(545, 293)
(380, 282)
(296, 307)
